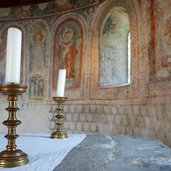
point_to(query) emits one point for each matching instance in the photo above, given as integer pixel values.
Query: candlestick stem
(59, 133)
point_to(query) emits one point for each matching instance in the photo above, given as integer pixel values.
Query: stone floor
(117, 153)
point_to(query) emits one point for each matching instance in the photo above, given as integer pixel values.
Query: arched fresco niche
(36, 87)
(128, 88)
(38, 60)
(114, 48)
(38, 47)
(68, 44)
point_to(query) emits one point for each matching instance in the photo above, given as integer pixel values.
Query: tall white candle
(13, 55)
(61, 83)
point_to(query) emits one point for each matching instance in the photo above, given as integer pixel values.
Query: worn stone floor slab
(117, 153)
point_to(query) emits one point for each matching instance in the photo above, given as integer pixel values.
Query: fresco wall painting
(36, 52)
(112, 82)
(66, 51)
(160, 39)
(44, 9)
(114, 49)
(68, 47)
(158, 82)
(38, 60)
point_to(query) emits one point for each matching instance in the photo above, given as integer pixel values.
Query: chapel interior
(117, 55)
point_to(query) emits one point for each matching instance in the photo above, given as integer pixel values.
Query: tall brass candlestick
(59, 133)
(12, 157)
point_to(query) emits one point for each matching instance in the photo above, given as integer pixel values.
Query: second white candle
(61, 83)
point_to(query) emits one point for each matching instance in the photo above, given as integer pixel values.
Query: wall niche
(114, 49)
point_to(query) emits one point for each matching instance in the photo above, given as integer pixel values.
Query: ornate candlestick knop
(59, 133)
(12, 157)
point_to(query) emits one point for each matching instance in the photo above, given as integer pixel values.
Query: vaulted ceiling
(12, 3)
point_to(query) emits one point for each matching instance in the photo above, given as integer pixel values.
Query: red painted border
(152, 28)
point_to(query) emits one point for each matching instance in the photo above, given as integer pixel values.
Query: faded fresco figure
(38, 47)
(67, 53)
(2, 76)
(40, 88)
(36, 87)
(114, 49)
(165, 40)
(109, 74)
(32, 88)
(37, 50)
(63, 5)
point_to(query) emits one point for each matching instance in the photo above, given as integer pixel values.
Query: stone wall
(151, 118)
(141, 108)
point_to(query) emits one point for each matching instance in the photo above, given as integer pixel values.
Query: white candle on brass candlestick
(13, 55)
(61, 83)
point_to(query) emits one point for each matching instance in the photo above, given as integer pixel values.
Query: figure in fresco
(21, 12)
(67, 53)
(40, 88)
(2, 76)
(37, 51)
(108, 65)
(36, 87)
(165, 39)
(68, 50)
(63, 5)
(38, 47)
(32, 88)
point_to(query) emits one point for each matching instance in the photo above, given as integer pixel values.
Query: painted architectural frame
(131, 90)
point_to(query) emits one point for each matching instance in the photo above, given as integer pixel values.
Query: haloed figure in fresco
(67, 53)
(38, 51)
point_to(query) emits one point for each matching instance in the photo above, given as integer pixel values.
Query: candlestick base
(59, 133)
(12, 157)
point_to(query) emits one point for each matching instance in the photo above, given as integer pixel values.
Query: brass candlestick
(12, 157)
(59, 133)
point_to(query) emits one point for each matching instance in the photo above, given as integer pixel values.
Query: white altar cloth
(43, 152)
